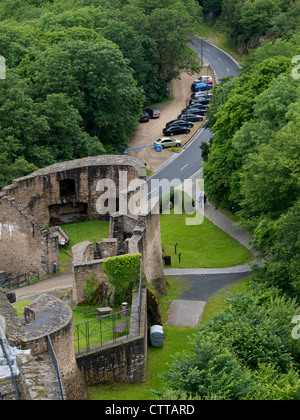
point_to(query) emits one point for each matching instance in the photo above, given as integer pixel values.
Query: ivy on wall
(123, 272)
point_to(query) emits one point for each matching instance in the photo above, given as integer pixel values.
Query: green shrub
(123, 273)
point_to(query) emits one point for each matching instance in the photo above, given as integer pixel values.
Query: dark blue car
(199, 86)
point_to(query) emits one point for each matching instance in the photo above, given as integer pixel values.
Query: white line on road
(184, 167)
(228, 70)
(219, 59)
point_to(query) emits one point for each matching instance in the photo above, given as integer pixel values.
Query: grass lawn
(93, 230)
(176, 340)
(99, 330)
(201, 246)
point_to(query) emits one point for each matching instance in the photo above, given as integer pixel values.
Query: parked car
(176, 129)
(204, 79)
(200, 111)
(179, 122)
(190, 117)
(167, 142)
(196, 106)
(194, 112)
(206, 95)
(207, 79)
(145, 117)
(153, 112)
(199, 101)
(196, 87)
(183, 128)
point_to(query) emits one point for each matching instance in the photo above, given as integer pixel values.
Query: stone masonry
(58, 194)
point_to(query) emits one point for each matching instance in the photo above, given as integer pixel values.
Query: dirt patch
(148, 132)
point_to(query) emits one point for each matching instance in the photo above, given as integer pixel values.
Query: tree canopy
(79, 73)
(251, 21)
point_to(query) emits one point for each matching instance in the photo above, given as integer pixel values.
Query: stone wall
(128, 235)
(36, 378)
(84, 266)
(145, 238)
(67, 192)
(24, 244)
(50, 316)
(124, 361)
(58, 194)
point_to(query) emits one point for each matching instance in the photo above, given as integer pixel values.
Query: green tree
(98, 83)
(270, 179)
(141, 52)
(222, 169)
(282, 269)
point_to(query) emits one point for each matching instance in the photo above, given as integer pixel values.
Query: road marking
(228, 70)
(184, 167)
(219, 59)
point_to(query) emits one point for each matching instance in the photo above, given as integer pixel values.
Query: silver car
(167, 142)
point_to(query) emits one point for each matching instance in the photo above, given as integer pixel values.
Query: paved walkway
(55, 282)
(227, 225)
(185, 313)
(203, 282)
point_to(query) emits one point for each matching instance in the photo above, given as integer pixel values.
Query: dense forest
(251, 350)
(249, 22)
(80, 71)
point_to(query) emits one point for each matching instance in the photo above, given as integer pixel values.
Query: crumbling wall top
(103, 160)
(47, 316)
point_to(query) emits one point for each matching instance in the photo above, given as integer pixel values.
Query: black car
(194, 111)
(193, 108)
(153, 112)
(145, 117)
(199, 101)
(198, 105)
(176, 129)
(179, 122)
(200, 111)
(190, 117)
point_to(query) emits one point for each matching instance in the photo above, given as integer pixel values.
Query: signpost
(158, 148)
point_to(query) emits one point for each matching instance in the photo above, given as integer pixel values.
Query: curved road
(183, 165)
(222, 63)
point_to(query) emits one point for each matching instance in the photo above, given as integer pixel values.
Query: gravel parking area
(148, 132)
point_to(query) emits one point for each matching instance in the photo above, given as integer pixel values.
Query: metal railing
(56, 367)
(109, 329)
(20, 280)
(3, 346)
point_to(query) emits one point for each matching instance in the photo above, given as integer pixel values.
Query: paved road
(180, 166)
(222, 63)
(183, 165)
(187, 311)
(202, 287)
